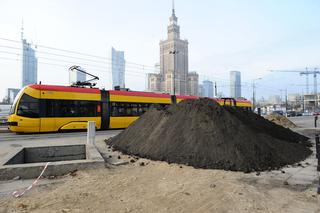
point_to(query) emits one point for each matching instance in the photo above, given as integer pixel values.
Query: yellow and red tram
(48, 108)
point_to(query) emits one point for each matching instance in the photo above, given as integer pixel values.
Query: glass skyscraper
(235, 84)
(118, 68)
(207, 89)
(29, 64)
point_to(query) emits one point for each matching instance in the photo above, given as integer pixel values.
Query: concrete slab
(48, 154)
(32, 170)
(54, 169)
(9, 148)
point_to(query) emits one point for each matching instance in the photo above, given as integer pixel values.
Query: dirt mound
(281, 120)
(203, 134)
(260, 124)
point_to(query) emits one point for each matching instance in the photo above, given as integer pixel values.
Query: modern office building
(235, 84)
(174, 77)
(75, 76)
(200, 90)
(29, 63)
(207, 89)
(11, 94)
(118, 68)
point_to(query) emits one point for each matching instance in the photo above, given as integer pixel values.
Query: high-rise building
(154, 82)
(274, 99)
(235, 84)
(200, 90)
(11, 94)
(118, 68)
(193, 83)
(207, 89)
(174, 77)
(29, 63)
(75, 76)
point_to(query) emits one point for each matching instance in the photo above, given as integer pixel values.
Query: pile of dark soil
(260, 124)
(203, 134)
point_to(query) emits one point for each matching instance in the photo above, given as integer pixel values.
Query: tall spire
(173, 28)
(173, 12)
(22, 30)
(173, 18)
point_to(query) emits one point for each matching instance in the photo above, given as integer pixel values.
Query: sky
(245, 35)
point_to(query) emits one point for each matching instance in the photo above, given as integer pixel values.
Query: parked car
(279, 112)
(3, 120)
(316, 113)
(291, 113)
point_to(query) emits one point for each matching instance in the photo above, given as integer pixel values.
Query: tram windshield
(28, 107)
(16, 99)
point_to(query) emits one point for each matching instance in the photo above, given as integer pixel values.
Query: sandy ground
(161, 187)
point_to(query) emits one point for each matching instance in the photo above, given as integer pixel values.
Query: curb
(4, 130)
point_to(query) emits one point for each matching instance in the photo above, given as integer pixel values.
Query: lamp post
(285, 100)
(253, 92)
(174, 52)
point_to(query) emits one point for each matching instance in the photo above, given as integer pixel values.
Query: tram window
(28, 107)
(49, 108)
(114, 111)
(87, 108)
(13, 108)
(145, 107)
(15, 102)
(71, 108)
(140, 111)
(121, 109)
(67, 109)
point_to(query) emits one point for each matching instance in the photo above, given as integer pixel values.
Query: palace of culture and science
(174, 65)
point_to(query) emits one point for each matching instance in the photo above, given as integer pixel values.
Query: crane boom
(285, 71)
(307, 72)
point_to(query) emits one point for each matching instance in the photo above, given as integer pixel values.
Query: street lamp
(253, 93)
(174, 52)
(286, 98)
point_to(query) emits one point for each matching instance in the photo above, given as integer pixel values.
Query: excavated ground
(203, 134)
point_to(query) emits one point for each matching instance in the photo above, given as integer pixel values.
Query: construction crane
(307, 72)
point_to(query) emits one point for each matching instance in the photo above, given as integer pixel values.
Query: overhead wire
(78, 53)
(131, 68)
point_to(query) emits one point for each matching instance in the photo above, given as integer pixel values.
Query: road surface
(18, 137)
